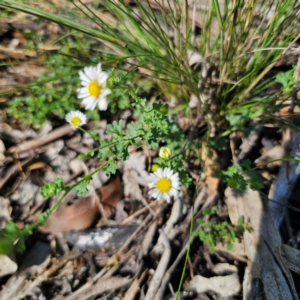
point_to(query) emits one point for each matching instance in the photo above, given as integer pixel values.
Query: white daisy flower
(93, 90)
(76, 118)
(297, 158)
(165, 152)
(164, 183)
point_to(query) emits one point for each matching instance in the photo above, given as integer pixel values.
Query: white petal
(102, 78)
(105, 92)
(102, 105)
(151, 185)
(83, 77)
(155, 193)
(173, 192)
(89, 99)
(166, 197)
(82, 95)
(98, 68)
(89, 104)
(159, 173)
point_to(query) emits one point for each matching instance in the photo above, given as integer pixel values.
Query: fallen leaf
(226, 285)
(111, 194)
(85, 212)
(78, 216)
(263, 245)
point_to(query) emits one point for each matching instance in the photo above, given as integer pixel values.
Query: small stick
(100, 206)
(146, 244)
(148, 218)
(102, 274)
(103, 285)
(168, 274)
(135, 287)
(139, 212)
(160, 270)
(176, 214)
(53, 135)
(47, 274)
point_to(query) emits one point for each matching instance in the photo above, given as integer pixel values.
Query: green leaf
(83, 156)
(231, 183)
(185, 178)
(161, 107)
(94, 134)
(229, 245)
(20, 246)
(284, 78)
(111, 168)
(202, 235)
(104, 154)
(122, 151)
(255, 183)
(115, 127)
(6, 245)
(233, 119)
(241, 220)
(210, 211)
(246, 164)
(241, 183)
(52, 188)
(200, 221)
(81, 189)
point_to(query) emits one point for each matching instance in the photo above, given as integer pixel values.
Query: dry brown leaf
(226, 285)
(78, 216)
(111, 194)
(85, 212)
(262, 246)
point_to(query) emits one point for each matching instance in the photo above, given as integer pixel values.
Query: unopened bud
(165, 152)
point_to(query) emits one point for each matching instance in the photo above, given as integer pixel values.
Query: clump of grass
(238, 43)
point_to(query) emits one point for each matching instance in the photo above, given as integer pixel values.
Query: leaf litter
(145, 257)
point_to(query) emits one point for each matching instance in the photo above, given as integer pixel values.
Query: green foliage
(210, 211)
(12, 236)
(52, 94)
(52, 188)
(286, 79)
(115, 127)
(235, 177)
(238, 53)
(111, 168)
(212, 232)
(119, 83)
(240, 119)
(81, 189)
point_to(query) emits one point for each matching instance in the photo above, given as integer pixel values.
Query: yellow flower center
(164, 185)
(94, 88)
(75, 121)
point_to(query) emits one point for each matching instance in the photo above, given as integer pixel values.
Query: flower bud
(154, 168)
(165, 152)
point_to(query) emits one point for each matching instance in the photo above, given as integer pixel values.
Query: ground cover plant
(173, 127)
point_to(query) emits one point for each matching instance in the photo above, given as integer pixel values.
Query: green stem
(67, 189)
(113, 143)
(274, 160)
(87, 132)
(187, 254)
